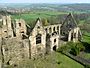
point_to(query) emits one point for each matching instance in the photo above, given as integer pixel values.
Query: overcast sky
(44, 1)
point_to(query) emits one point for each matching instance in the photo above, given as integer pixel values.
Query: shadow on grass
(87, 47)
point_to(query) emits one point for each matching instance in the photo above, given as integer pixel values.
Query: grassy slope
(51, 61)
(86, 38)
(67, 62)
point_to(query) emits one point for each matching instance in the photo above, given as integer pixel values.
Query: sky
(44, 1)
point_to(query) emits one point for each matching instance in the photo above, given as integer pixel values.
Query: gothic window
(54, 29)
(38, 38)
(38, 27)
(20, 24)
(54, 40)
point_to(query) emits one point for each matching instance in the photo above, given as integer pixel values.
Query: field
(28, 17)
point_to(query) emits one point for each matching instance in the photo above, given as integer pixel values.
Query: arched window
(54, 29)
(46, 30)
(54, 40)
(38, 38)
(50, 30)
(20, 24)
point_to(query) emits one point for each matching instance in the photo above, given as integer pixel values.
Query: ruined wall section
(54, 42)
(53, 28)
(74, 34)
(15, 50)
(7, 31)
(37, 48)
(20, 27)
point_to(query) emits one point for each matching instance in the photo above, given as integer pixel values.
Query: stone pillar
(9, 26)
(17, 28)
(59, 30)
(47, 30)
(4, 20)
(77, 34)
(69, 36)
(9, 22)
(56, 28)
(52, 29)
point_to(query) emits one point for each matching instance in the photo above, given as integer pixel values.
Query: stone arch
(46, 30)
(54, 47)
(53, 29)
(55, 40)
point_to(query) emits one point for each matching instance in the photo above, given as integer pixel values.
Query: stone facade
(17, 45)
(38, 39)
(74, 34)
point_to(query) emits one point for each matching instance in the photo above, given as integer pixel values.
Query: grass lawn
(87, 55)
(86, 37)
(56, 60)
(67, 62)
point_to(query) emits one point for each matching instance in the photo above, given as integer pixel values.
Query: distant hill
(50, 7)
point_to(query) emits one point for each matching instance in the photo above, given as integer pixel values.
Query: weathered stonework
(15, 50)
(20, 27)
(74, 34)
(38, 39)
(16, 45)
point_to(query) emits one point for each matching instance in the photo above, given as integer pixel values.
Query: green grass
(86, 37)
(67, 62)
(34, 15)
(56, 60)
(87, 55)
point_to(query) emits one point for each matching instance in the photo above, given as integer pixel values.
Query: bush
(73, 48)
(77, 48)
(87, 66)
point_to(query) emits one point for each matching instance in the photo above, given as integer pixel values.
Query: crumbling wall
(37, 48)
(7, 31)
(74, 34)
(20, 27)
(15, 50)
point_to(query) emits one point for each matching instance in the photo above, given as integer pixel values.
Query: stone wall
(37, 48)
(74, 34)
(15, 50)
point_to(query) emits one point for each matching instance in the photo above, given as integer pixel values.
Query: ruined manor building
(19, 42)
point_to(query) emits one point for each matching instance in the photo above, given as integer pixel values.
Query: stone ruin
(18, 42)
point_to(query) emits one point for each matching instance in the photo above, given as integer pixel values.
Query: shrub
(73, 48)
(63, 49)
(87, 66)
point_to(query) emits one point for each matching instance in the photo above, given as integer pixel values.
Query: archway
(54, 48)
